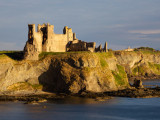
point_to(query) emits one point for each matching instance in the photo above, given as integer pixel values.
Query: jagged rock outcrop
(77, 72)
(137, 83)
(142, 64)
(31, 52)
(74, 74)
(69, 73)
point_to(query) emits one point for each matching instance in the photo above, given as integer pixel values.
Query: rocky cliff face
(77, 72)
(143, 64)
(69, 73)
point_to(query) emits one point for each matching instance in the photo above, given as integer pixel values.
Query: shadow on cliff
(52, 80)
(17, 55)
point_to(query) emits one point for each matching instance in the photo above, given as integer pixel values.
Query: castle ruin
(45, 40)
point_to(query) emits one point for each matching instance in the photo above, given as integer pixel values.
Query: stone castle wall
(78, 45)
(45, 40)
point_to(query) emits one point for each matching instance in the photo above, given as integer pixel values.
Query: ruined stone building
(45, 40)
(78, 45)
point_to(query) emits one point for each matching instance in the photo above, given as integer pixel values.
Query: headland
(58, 65)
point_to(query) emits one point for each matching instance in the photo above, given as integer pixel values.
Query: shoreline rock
(136, 93)
(144, 77)
(103, 96)
(74, 73)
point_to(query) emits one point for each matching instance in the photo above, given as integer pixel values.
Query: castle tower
(105, 47)
(74, 36)
(31, 31)
(38, 28)
(50, 30)
(69, 33)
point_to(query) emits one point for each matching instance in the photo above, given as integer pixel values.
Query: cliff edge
(75, 72)
(63, 73)
(140, 64)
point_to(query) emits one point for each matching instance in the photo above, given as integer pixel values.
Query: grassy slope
(148, 68)
(24, 86)
(103, 56)
(120, 76)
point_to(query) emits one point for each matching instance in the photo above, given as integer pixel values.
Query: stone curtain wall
(45, 40)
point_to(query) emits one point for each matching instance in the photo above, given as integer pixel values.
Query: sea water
(76, 108)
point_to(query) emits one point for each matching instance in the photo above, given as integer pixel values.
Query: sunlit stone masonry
(45, 40)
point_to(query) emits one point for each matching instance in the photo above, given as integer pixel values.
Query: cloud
(115, 26)
(146, 32)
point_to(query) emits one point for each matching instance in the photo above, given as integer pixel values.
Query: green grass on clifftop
(45, 54)
(146, 69)
(103, 56)
(146, 50)
(139, 70)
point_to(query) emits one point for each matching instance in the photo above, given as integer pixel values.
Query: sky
(121, 23)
